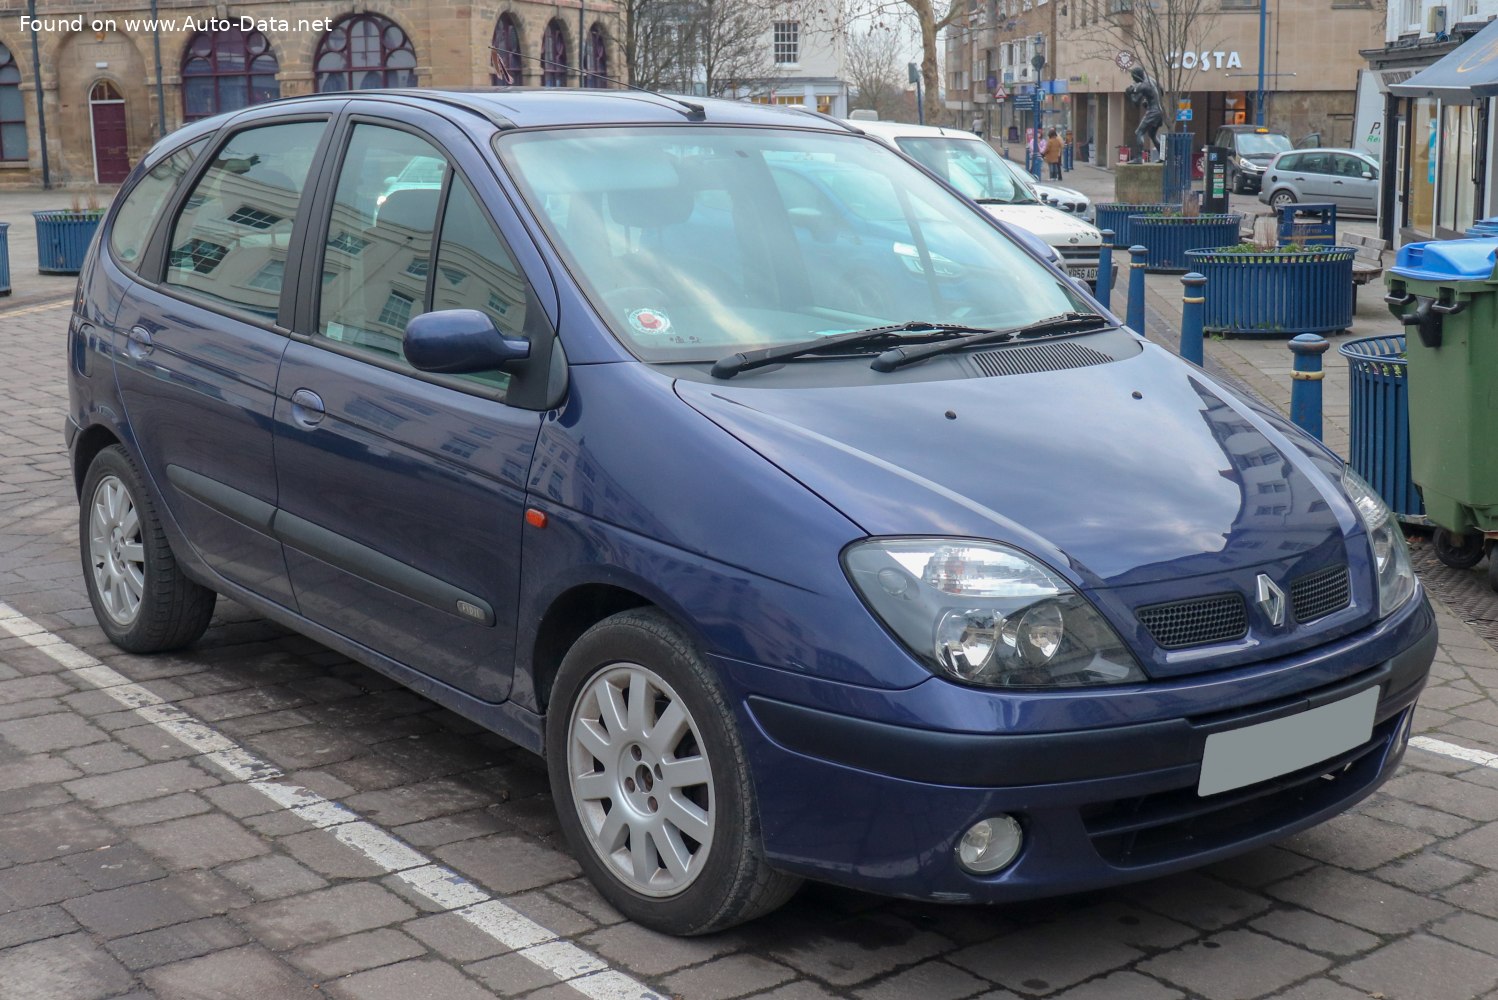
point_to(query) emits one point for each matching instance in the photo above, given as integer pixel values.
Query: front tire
(140, 596)
(651, 780)
(1281, 198)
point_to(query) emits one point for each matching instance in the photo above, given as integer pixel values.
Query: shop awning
(1468, 73)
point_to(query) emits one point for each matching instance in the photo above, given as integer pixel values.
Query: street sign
(1184, 115)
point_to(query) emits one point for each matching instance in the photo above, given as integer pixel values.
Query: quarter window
(217, 256)
(133, 221)
(12, 109)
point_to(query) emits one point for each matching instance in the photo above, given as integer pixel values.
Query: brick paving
(133, 866)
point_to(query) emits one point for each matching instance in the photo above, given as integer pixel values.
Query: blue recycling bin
(1380, 445)
(1483, 229)
(1307, 224)
(4, 258)
(62, 239)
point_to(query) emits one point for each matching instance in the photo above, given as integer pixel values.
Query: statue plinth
(1139, 183)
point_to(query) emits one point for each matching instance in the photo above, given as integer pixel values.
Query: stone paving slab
(133, 868)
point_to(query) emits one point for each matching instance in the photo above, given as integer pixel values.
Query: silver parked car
(1346, 178)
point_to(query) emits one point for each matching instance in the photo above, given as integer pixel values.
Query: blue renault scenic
(805, 518)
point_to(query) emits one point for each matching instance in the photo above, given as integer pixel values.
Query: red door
(111, 147)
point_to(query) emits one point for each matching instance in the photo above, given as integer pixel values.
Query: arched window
(12, 109)
(226, 71)
(554, 55)
(596, 59)
(363, 52)
(506, 60)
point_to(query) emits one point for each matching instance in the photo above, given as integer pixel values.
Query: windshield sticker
(650, 321)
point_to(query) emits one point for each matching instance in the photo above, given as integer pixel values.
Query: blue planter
(62, 239)
(1115, 216)
(4, 258)
(1380, 446)
(1277, 293)
(1168, 238)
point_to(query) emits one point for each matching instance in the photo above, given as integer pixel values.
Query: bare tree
(1172, 39)
(872, 65)
(713, 47)
(652, 41)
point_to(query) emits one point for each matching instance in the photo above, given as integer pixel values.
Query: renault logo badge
(1272, 600)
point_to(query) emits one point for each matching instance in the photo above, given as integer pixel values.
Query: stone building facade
(103, 107)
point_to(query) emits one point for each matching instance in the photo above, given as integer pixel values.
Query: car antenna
(694, 111)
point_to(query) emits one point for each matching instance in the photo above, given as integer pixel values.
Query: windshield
(969, 165)
(695, 241)
(1262, 143)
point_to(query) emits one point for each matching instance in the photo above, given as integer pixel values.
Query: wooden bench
(1368, 264)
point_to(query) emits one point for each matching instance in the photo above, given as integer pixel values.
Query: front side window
(374, 234)
(235, 228)
(226, 71)
(137, 213)
(12, 109)
(364, 52)
(693, 242)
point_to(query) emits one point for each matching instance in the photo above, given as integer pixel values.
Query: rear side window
(137, 213)
(228, 246)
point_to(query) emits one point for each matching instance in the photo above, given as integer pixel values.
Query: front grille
(1039, 358)
(1166, 826)
(1196, 622)
(1078, 253)
(1318, 594)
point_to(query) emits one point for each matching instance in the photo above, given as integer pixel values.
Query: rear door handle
(307, 408)
(139, 343)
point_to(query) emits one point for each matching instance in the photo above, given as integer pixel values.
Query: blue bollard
(1137, 260)
(1305, 390)
(1105, 270)
(1192, 310)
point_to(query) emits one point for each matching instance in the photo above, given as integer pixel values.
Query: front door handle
(139, 343)
(307, 408)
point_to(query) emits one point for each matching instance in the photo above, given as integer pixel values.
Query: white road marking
(580, 969)
(1481, 757)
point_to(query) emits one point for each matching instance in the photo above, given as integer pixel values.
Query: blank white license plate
(1084, 273)
(1244, 756)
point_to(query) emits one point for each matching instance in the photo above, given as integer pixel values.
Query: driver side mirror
(1367, 175)
(460, 342)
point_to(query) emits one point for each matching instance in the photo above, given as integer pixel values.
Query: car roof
(1330, 149)
(1254, 128)
(894, 130)
(534, 107)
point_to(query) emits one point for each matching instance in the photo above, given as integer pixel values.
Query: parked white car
(971, 165)
(1068, 200)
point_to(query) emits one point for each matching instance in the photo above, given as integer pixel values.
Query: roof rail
(849, 126)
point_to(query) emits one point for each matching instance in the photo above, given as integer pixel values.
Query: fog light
(989, 844)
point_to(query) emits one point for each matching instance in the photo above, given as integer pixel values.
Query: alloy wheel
(115, 550)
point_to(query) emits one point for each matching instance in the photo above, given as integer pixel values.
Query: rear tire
(651, 781)
(1281, 198)
(140, 596)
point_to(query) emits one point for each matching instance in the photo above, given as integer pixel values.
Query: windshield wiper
(1069, 322)
(731, 365)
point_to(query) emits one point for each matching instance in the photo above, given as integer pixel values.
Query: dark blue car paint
(728, 506)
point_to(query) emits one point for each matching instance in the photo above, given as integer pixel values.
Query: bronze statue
(1146, 93)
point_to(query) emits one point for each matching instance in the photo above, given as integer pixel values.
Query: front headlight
(985, 614)
(1391, 557)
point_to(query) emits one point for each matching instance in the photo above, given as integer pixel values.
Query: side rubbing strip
(365, 562)
(228, 501)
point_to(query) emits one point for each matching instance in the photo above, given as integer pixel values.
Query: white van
(971, 166)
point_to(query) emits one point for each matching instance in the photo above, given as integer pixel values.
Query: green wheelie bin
(1446, 295)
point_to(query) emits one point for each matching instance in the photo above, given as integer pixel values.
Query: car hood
(1131, 472)
(1063, 193)
(1056, 227)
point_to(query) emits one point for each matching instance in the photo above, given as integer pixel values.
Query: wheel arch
(570, 614)
(91, 440)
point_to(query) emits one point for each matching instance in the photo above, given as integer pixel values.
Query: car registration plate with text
(1255, 753)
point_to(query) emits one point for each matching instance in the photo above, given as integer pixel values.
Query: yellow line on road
(43, 307)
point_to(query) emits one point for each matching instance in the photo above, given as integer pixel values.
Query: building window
(554, 55)
(198, 256)
(1412, 15)
(346, 242)
(269, 276)
(505, 58)
(12, 109)
(226, 71)
(363, 52)
(254, 218)
(397, 311)
(787, 42)
(596, 59)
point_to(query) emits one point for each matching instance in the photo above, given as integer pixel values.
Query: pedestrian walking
(1052, 154)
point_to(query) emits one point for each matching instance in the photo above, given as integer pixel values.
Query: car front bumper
(880, 804)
